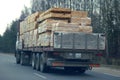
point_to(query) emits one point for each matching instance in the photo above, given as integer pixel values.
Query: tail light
(94, 65)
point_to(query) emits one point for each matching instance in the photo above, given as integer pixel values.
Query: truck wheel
(37, 61)
(33, 60)
(24, 59)
(43, 66)
(17, 57)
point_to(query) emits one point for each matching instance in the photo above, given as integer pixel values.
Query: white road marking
(41, 76)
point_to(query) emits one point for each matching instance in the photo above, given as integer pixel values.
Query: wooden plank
(44, 39)
(48, 24)
(58, 10)
(55, 15)
(23, 27)
(86, 29)
(67, 27)
(79, 14)
(32, 26)
(33, 17)
(81, 21)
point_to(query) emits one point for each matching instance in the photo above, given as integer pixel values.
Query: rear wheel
(24, 59)
(43, 66)
(17, 57)
(37, 62)
(33, 60)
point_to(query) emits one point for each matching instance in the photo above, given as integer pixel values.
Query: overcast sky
(10, 10)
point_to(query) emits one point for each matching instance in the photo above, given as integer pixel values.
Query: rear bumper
(72, 64)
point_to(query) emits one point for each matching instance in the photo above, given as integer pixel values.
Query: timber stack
(37, 29)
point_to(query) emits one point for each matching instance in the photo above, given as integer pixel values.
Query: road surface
(9, 70)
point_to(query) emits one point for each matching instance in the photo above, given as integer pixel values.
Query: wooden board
(61, 24)
(79, 14)
(55, 15)
(71, 27)
(81, 21)
(86, 29)
(48, 24)
(26, 39)
(32, 26)
(35, 37)
(67, 27)
(33, 17)
(44, 39)
(56, 10)
(23, 27)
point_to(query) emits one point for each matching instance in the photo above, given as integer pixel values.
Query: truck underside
(75, 61)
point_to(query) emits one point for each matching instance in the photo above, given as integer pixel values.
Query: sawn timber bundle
(37, 29)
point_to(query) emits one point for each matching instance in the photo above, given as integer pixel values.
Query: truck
(60, 44)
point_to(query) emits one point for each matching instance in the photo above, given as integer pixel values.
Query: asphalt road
(9, 70)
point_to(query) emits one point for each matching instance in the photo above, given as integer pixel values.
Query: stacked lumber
(28, 30)
(60, 13)
(22, 27)
(26, 39)
(66, 27)
(54, 15)
(37, 29)
(57, 19)
(30, 23)
(35, 37)
(48, 24)
(44, 39)
(29, 38)
(33, 17)
(86, 29)
(71, 27)
(80, 17)
(80, 14)
(47, 21)
(21, 38)
(82, 21)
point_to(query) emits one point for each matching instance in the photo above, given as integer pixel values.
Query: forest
(104, 14)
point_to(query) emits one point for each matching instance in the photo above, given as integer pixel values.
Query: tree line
(104, 14)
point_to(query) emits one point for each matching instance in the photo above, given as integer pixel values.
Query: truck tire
(33, 60)
(43, 66)
(24, 60)
(17, 57)
(37, 62)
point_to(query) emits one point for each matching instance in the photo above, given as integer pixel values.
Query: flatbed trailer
(75, 51)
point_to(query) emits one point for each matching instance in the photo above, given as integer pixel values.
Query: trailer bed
(75, 42)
